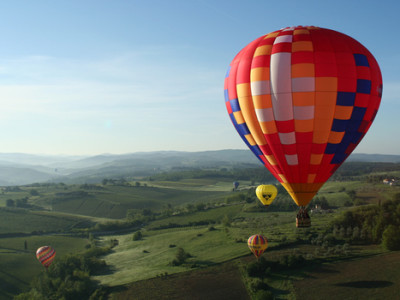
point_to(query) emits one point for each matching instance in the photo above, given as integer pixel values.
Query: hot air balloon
(45, 255)
(302, 98)
(266, 193)
(257, 244)
(235, 185)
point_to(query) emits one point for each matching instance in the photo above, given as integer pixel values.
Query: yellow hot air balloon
(266, 193)
(257, 244)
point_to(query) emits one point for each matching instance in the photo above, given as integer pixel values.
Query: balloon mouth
(302, 193)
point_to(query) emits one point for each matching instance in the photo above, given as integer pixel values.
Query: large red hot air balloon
(302, 98)
(45, 255)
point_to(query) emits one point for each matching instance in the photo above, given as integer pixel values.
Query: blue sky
(92, 77)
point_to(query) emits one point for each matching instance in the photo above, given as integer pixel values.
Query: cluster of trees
(358, 170)
(110, 181)
(282, 202)
(119, 181)
(262, 267)
(69, 278)
(251, 174)
(117, 226)
(181, 257)
(11, 189)
(259, 270)
(23, 203)
(371, 224)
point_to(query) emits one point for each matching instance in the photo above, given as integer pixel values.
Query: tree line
(371, 224)
(235, 174)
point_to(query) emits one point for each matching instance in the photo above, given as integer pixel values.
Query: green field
(18, 265)
(114, 201)
(152, 255)
(214, 234)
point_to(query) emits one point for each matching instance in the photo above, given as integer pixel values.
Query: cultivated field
(376, 277)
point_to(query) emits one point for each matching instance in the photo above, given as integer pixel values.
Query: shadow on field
(8, 286)
(14, 277)
(278, 293)
(365, 284)
(12, 250)
(324, 270)
(203, 263)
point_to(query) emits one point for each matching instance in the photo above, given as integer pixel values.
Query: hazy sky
(92, 77)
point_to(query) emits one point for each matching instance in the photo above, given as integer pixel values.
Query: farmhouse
(390, 181)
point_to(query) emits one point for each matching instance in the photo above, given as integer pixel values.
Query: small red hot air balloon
(302, 98)
(45, 255)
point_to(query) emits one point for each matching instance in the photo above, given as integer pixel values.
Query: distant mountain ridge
(20, 168)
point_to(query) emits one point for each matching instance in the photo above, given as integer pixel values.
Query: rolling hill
(20, 168)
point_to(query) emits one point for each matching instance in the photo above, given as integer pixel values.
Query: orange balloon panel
(302, 98)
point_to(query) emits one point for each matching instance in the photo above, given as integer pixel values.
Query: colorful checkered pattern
(257, 244)
(302, 98)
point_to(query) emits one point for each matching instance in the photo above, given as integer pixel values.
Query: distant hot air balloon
(45, 255)
(235, 185)
(302, 98)
(257, 244)
(266, 193)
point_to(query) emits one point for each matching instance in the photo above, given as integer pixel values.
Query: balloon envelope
(266, 193)
(302, 98)
(45, 255)
(257, 244)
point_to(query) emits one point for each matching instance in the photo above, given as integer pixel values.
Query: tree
(226, 221)
(22, 202)
(147, 212)
(391, 238)
(10, 203)
(352, 194)
(137, 236)
(356, 233)
(200, 206)
(181, 257)
(34, 192)
(190, 207)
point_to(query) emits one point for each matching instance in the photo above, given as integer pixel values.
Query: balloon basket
(303, 219)
(301, 222)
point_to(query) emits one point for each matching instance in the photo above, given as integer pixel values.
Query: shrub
(391, 238)
(258, 284)
(137, 236)
(181, 257)
(264, 295)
